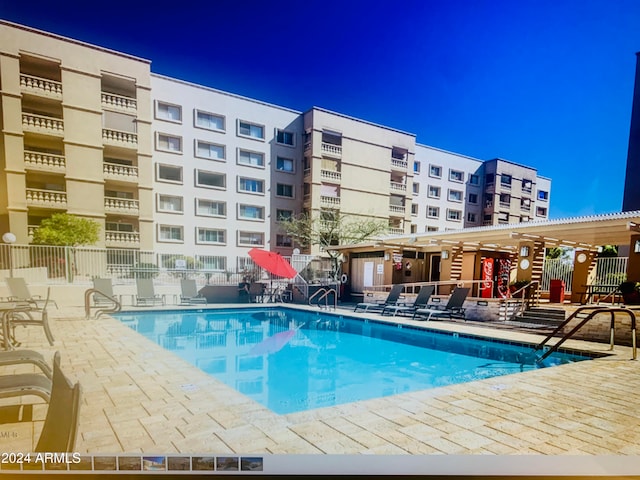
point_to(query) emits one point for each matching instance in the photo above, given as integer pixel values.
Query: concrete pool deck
(139, 398)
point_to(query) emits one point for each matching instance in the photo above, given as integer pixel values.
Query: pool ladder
(324, 294)
(87, 303)
(595, 311)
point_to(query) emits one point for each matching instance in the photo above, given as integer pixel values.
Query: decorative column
(583, 273)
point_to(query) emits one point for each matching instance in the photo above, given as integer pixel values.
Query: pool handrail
(117, 306)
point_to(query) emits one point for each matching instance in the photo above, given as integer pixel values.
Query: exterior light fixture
(445, 254)
(524, 251)
(636, 247)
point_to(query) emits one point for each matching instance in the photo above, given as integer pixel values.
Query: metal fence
(556, 269)
(608, 271)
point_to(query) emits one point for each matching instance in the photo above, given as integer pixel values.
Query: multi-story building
(631, 196)
(185, 170)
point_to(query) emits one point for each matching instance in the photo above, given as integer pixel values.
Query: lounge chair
(28, 383)
(105, 287)
(421, 301)
(27, 314)
(60, 427)
(453, 308)
(20, 293)
(391, 299)
(21, 357)
(146, 295)
(189, 292)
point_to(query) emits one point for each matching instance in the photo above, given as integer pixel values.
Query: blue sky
(545, 83)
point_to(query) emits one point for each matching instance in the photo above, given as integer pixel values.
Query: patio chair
(453, 308)
(61, 422)
(392, 299)
(19, 291)
(27, 314)
(256, 292)
(22, 357)
(421, 301)
(146, 295)
(105, 287)
(189, 292)
(28, 383)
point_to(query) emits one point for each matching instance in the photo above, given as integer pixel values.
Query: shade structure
(272, 262)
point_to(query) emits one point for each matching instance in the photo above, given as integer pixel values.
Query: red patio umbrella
(272, 262)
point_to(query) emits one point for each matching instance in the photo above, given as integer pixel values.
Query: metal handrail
(87, 303)
(316, 293)
(596, 311)
(325, 296)
(526, 302)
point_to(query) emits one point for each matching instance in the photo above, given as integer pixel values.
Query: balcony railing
(121, 239)
(329, 201)
(120, 172)
(396, 230)
(119, 138)
(398, 187)
(399, 164)
(330, 175)
(41, 86)
(44, 161)
(397, 209)
(119, 102)
(331, 149)
(42, 124)
(46, 198)
(307, 172)
(121, 205)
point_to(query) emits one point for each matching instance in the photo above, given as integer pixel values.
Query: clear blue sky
(544, 83)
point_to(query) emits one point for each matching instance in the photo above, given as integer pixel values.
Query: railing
(307, 172)
(121, 205)
(330, 175)
(46, 198)
(114, 170)
(41, 86)
(398, 187)
(522, 299)
(397, 209)
(329, 201)
(111, 100)
(611, 270)
(594, 311)
(42, 123)
(396, 230)
(331, 149)
(44, 161)
(556, 268)
(117, 306)
(119, 137)
(324, 294)
(401, 164)
(114, 238)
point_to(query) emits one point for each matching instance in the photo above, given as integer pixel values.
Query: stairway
(539, 318)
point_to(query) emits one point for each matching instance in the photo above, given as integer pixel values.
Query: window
(456, 176)
(474, 179)
(170, 233)
(503, 217)
(250, 238)
(527, 185)
(416, 167)
(119, 227)
(430, 229)
(283, 241)
(543, 195)
(505, 180)
(487, 219)
(169, 143)
(251, 130)
(473, 198)
(435, 171)
(250, 185)
(524, 219)
(525, 204)
(489, 178)
(211, 262)
(283, 215)
(541, 212)
(210, 235)
(284, 138)
(413, 228)
(209, 150)
(210, 208)
(169, 173)
(284, 190)
(209, 121)
(416, 188)
(505, 200)
(166, 111)
(284, 164)
(455, 195)
(434, 192)
(471, 217)
(169, 203)
(414, 209)
(454, 215)
(250, 212)
(433, 212)
(252, 159)
(210, 179)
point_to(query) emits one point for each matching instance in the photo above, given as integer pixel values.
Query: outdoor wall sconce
(386, 256)
(524, 251)
(636, 247)
(445, 254)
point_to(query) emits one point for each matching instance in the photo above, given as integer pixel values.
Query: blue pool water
(290, 361)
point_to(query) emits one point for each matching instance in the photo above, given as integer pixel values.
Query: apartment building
(184, 170)
(76, 136)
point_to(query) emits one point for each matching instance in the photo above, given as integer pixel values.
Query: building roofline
(74, 41)
(468, 157)
(498, 159)
(359, 120)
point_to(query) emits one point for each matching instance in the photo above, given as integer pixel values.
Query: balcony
(332, 202)
(124, 206)
(399, 164)
(115, 171)
(331, 150)
(32, 122)
(396, 231)
(46, 198)
(44, 162)
(120, 103)
(330, 175)
(119, 138)
(121, 239)
(307, 172)
(397, 210)
(397, 187)
(42, 87)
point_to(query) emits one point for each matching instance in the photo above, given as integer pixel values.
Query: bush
(145, 270)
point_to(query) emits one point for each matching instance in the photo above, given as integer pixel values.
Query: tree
(331, 228)
(63, 229)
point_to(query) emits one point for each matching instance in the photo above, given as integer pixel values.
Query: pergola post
(582, 273)
(633, 266)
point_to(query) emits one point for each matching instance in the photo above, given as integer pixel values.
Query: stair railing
(530, 297)
(595, 310)
(323, 294)
(87, 303)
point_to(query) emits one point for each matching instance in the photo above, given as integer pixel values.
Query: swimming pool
(290, 360)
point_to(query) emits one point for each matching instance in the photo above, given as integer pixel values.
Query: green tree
(331, 228)
(608, 251)
(63, 229)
